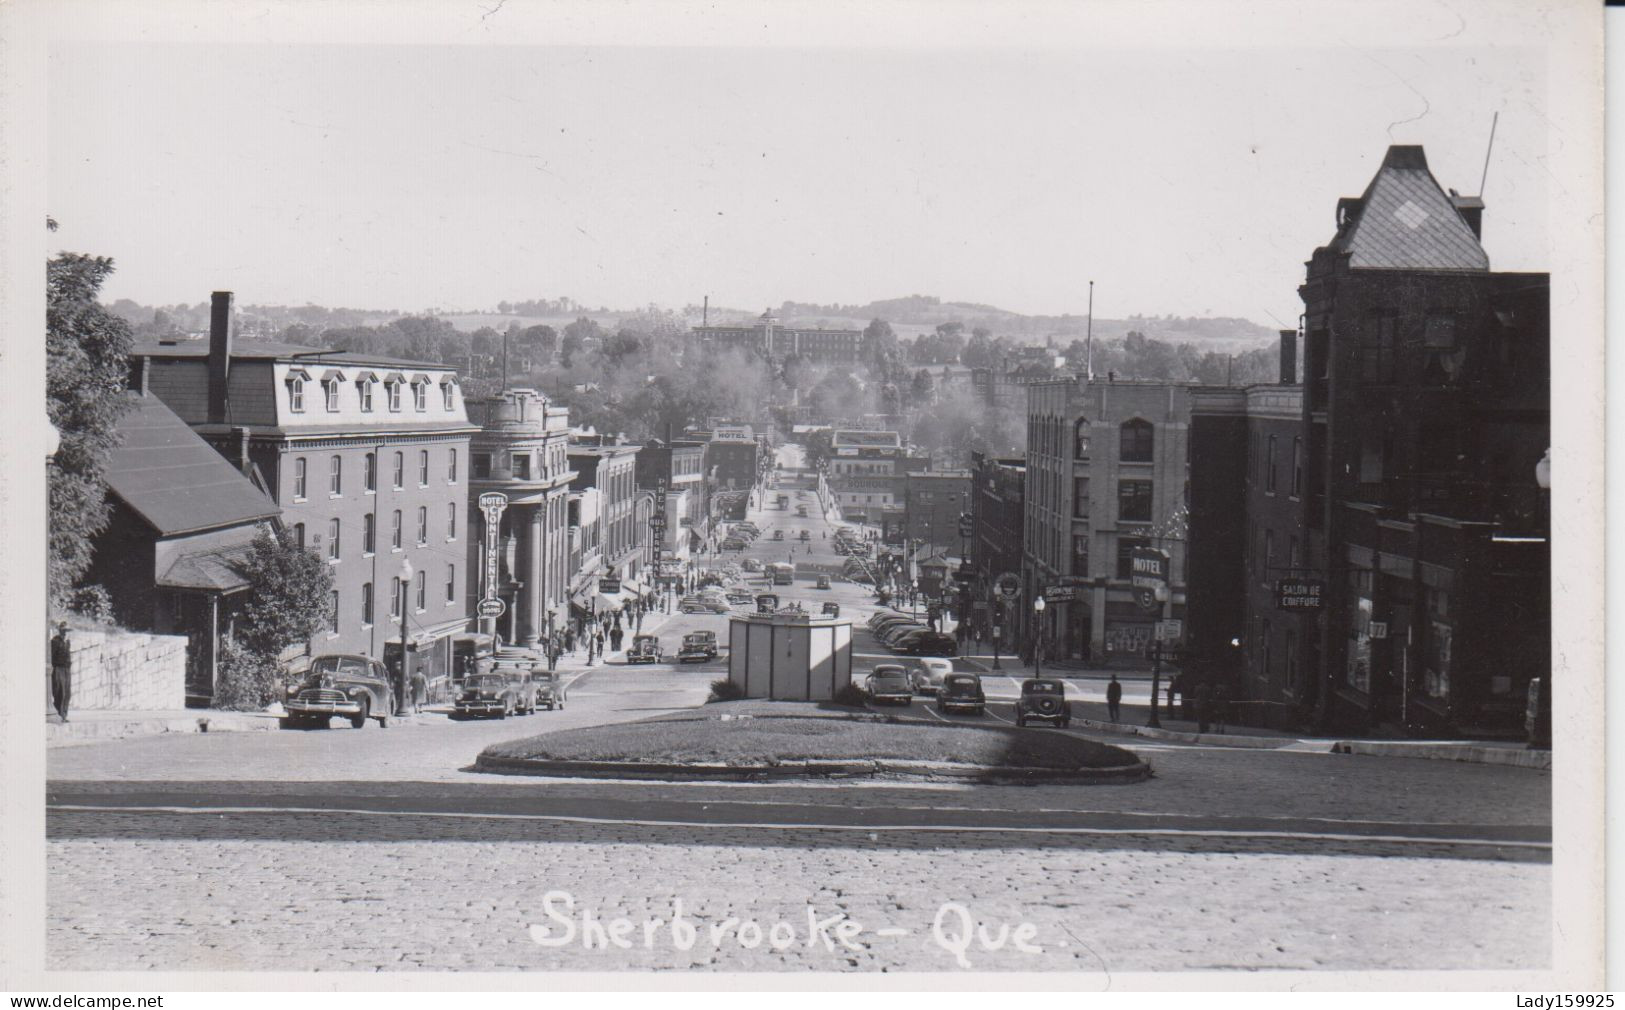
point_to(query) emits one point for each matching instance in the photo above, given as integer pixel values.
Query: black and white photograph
(1071, 496)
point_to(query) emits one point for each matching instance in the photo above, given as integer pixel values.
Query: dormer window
(447, 386)
(420, 397)
(363, 385)
(296, 392)
(330, 389)
(394, 395)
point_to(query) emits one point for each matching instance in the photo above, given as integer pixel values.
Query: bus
(784, 502)
(781, 572)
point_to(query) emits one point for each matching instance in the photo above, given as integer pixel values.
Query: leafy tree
(879, 347)
(288, 598)
(922, 387)
(86, 373)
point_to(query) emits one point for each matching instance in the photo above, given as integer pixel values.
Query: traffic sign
(1170, 630)
(492, 608)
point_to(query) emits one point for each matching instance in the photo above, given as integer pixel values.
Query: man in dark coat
(61, 670)
(615, 636)
(1114, 698)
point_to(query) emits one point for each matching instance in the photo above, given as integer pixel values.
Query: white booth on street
(790, 656)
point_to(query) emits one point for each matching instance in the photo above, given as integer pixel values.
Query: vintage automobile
(930, 673)
(701, 605)
(891, 684)
(801, 511)
(355, 687)
(823, 582)
(551, 692)
(486, 694)
(733, 544)
(805, 536)
(517, 673)
(778, 534)
(740, 597)
(1043, 700)
(962, 692)
(832, 609)
(645, 649)
(750, 565)
(932, 643)
(698, 646)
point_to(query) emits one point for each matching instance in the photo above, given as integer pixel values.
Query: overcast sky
(1181, 180)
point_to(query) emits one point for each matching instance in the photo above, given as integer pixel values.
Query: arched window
(1137, 438)
(1080, 439)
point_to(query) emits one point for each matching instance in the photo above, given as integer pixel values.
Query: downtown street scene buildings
(1173, 593)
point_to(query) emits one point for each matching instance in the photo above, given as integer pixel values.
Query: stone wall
(125, 671)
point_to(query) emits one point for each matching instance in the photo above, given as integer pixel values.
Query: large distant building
(769, 339)
(864, 475)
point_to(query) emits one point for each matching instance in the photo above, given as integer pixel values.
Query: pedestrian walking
(61, 670)
(1114, 699)
(570, 641)
(420, 691)
(598, 643)
(639, 625)
(615, 638)
(552, 655)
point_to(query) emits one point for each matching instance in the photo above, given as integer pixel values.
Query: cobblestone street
(469, 904)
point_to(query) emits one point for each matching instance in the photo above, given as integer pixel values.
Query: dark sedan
(962, 692)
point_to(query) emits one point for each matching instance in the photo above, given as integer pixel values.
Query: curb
(1211, 739)
(1541, 759)
(1121, 774)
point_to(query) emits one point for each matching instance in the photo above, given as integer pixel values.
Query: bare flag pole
(1488, 148)
(1089, 336)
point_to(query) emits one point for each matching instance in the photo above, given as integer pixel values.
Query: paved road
(374, 850)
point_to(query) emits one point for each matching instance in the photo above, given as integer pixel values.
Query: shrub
(246, 681)
(725, 690)
(92, 603)
(851, 696)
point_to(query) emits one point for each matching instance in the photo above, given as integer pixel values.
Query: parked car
(932, 643)
(645, 649)
(823, 582)
(832, 609)
(355, 687)
(524, 691)
(733, 544)
(930, 673)
(698, 646)
(1043, 699)
(890, 683)
(740, 597)
(484, 695)
(894, 636)
(700, 605)
(962, 692)
(550, 690)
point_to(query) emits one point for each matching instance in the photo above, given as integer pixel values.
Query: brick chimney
(1289, 357)
(219, 355)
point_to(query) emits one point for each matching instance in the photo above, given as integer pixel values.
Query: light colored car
(929, 674)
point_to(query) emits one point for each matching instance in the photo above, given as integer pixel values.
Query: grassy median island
(753, 734)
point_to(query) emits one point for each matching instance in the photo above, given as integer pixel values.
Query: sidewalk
(95, 727)
(1089, 711)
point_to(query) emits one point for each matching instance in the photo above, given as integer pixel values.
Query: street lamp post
(405, 676)
(1038, 637)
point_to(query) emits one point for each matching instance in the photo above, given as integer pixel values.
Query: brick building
(1106, 474)
(1426, 410)
(1247, 542)
(366, 456)
(612, 469)
(863, 473)
(933, 501)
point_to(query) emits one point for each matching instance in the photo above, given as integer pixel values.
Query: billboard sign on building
(1298, 594)
(492, 504)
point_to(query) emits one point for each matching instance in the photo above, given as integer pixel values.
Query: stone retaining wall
(126, 671)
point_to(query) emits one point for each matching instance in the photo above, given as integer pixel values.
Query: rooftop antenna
(1487, 149)
(1089, 339)
(504, 361)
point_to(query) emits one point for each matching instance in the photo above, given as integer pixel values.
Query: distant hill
(909, 316)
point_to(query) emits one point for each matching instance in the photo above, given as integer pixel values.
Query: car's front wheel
(360, 718)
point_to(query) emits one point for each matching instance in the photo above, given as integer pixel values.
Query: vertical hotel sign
(657, 523)
(492, 503)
